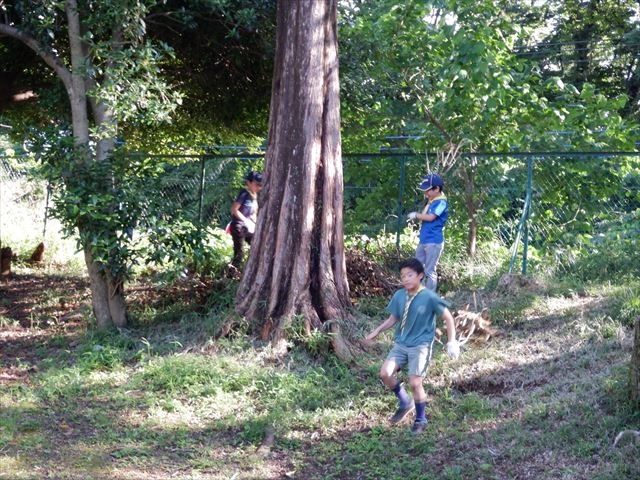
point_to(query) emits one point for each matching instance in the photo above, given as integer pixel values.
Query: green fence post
(400, 197)
(46, 211)
(201, 192)
(523, 220)
(526, 214)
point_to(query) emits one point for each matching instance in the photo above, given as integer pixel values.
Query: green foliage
(103, 202)
(124, 76)
(133, 87)
(131, 215)
(576, 46)
(188, 136)
(107, 351)
(223, 64)
(142, 78)
(447, 72)
(446, 76)
(611, 252)
(624, 304)
(317, 342)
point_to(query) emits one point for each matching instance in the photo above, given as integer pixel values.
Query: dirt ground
(36, 307)
(33, 308)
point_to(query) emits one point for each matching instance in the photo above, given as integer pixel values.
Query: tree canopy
(221, 63)
(456, 71)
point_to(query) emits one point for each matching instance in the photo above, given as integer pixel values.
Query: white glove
(251, 227)
(412, 215)
(453, 349)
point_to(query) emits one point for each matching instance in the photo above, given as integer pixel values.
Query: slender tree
(446, 72)
(297, 262)
(110, 74)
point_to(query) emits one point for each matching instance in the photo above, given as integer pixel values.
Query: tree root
(633, 435)
(267, 441)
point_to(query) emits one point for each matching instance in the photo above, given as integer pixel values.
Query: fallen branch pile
(471, 326)
(367, 278)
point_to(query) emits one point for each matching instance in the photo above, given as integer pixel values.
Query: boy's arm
(237, 213)
(453, 349)
(387, 324)
(426, 217)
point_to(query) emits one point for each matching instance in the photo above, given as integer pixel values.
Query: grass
(164, 399)
(543, 400)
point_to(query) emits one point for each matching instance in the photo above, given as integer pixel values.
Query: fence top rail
(197, 155)
(397, 153)
(389, 153)
(541, 155)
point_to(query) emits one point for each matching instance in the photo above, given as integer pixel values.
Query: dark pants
(240, 234)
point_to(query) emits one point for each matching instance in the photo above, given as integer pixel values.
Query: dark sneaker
(418, 427)
(401, 413)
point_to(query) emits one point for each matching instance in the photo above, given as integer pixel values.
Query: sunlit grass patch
(15, 468)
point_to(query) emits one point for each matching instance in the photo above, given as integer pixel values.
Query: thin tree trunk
(107, 296)
(107, 292)
(77, 89)
(297, 263)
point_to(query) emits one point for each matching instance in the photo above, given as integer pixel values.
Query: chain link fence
(555, 203)
(201, 188)
(23, 204)
(547, 207)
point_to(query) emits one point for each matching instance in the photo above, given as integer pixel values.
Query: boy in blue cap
(244, 213)
(413, 311)
(433, 215)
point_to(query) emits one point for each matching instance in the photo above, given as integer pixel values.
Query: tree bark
(297, 264)
(107, 295)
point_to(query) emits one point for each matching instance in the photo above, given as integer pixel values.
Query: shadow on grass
(551, 411)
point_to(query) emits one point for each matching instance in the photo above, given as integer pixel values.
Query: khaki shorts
(417, 358)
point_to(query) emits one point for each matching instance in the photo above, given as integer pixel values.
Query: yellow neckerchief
(406, 306)
(442, 196)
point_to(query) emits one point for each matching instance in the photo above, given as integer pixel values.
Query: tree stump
(5, 261)
(38, 254)
(635, 366)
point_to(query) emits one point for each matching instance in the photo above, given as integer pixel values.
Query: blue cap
(429, 181)
(254, 176)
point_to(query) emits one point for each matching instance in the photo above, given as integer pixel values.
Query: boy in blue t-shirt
(413, 311)
(433, 216)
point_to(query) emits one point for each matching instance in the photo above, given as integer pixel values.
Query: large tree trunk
(297, 264)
